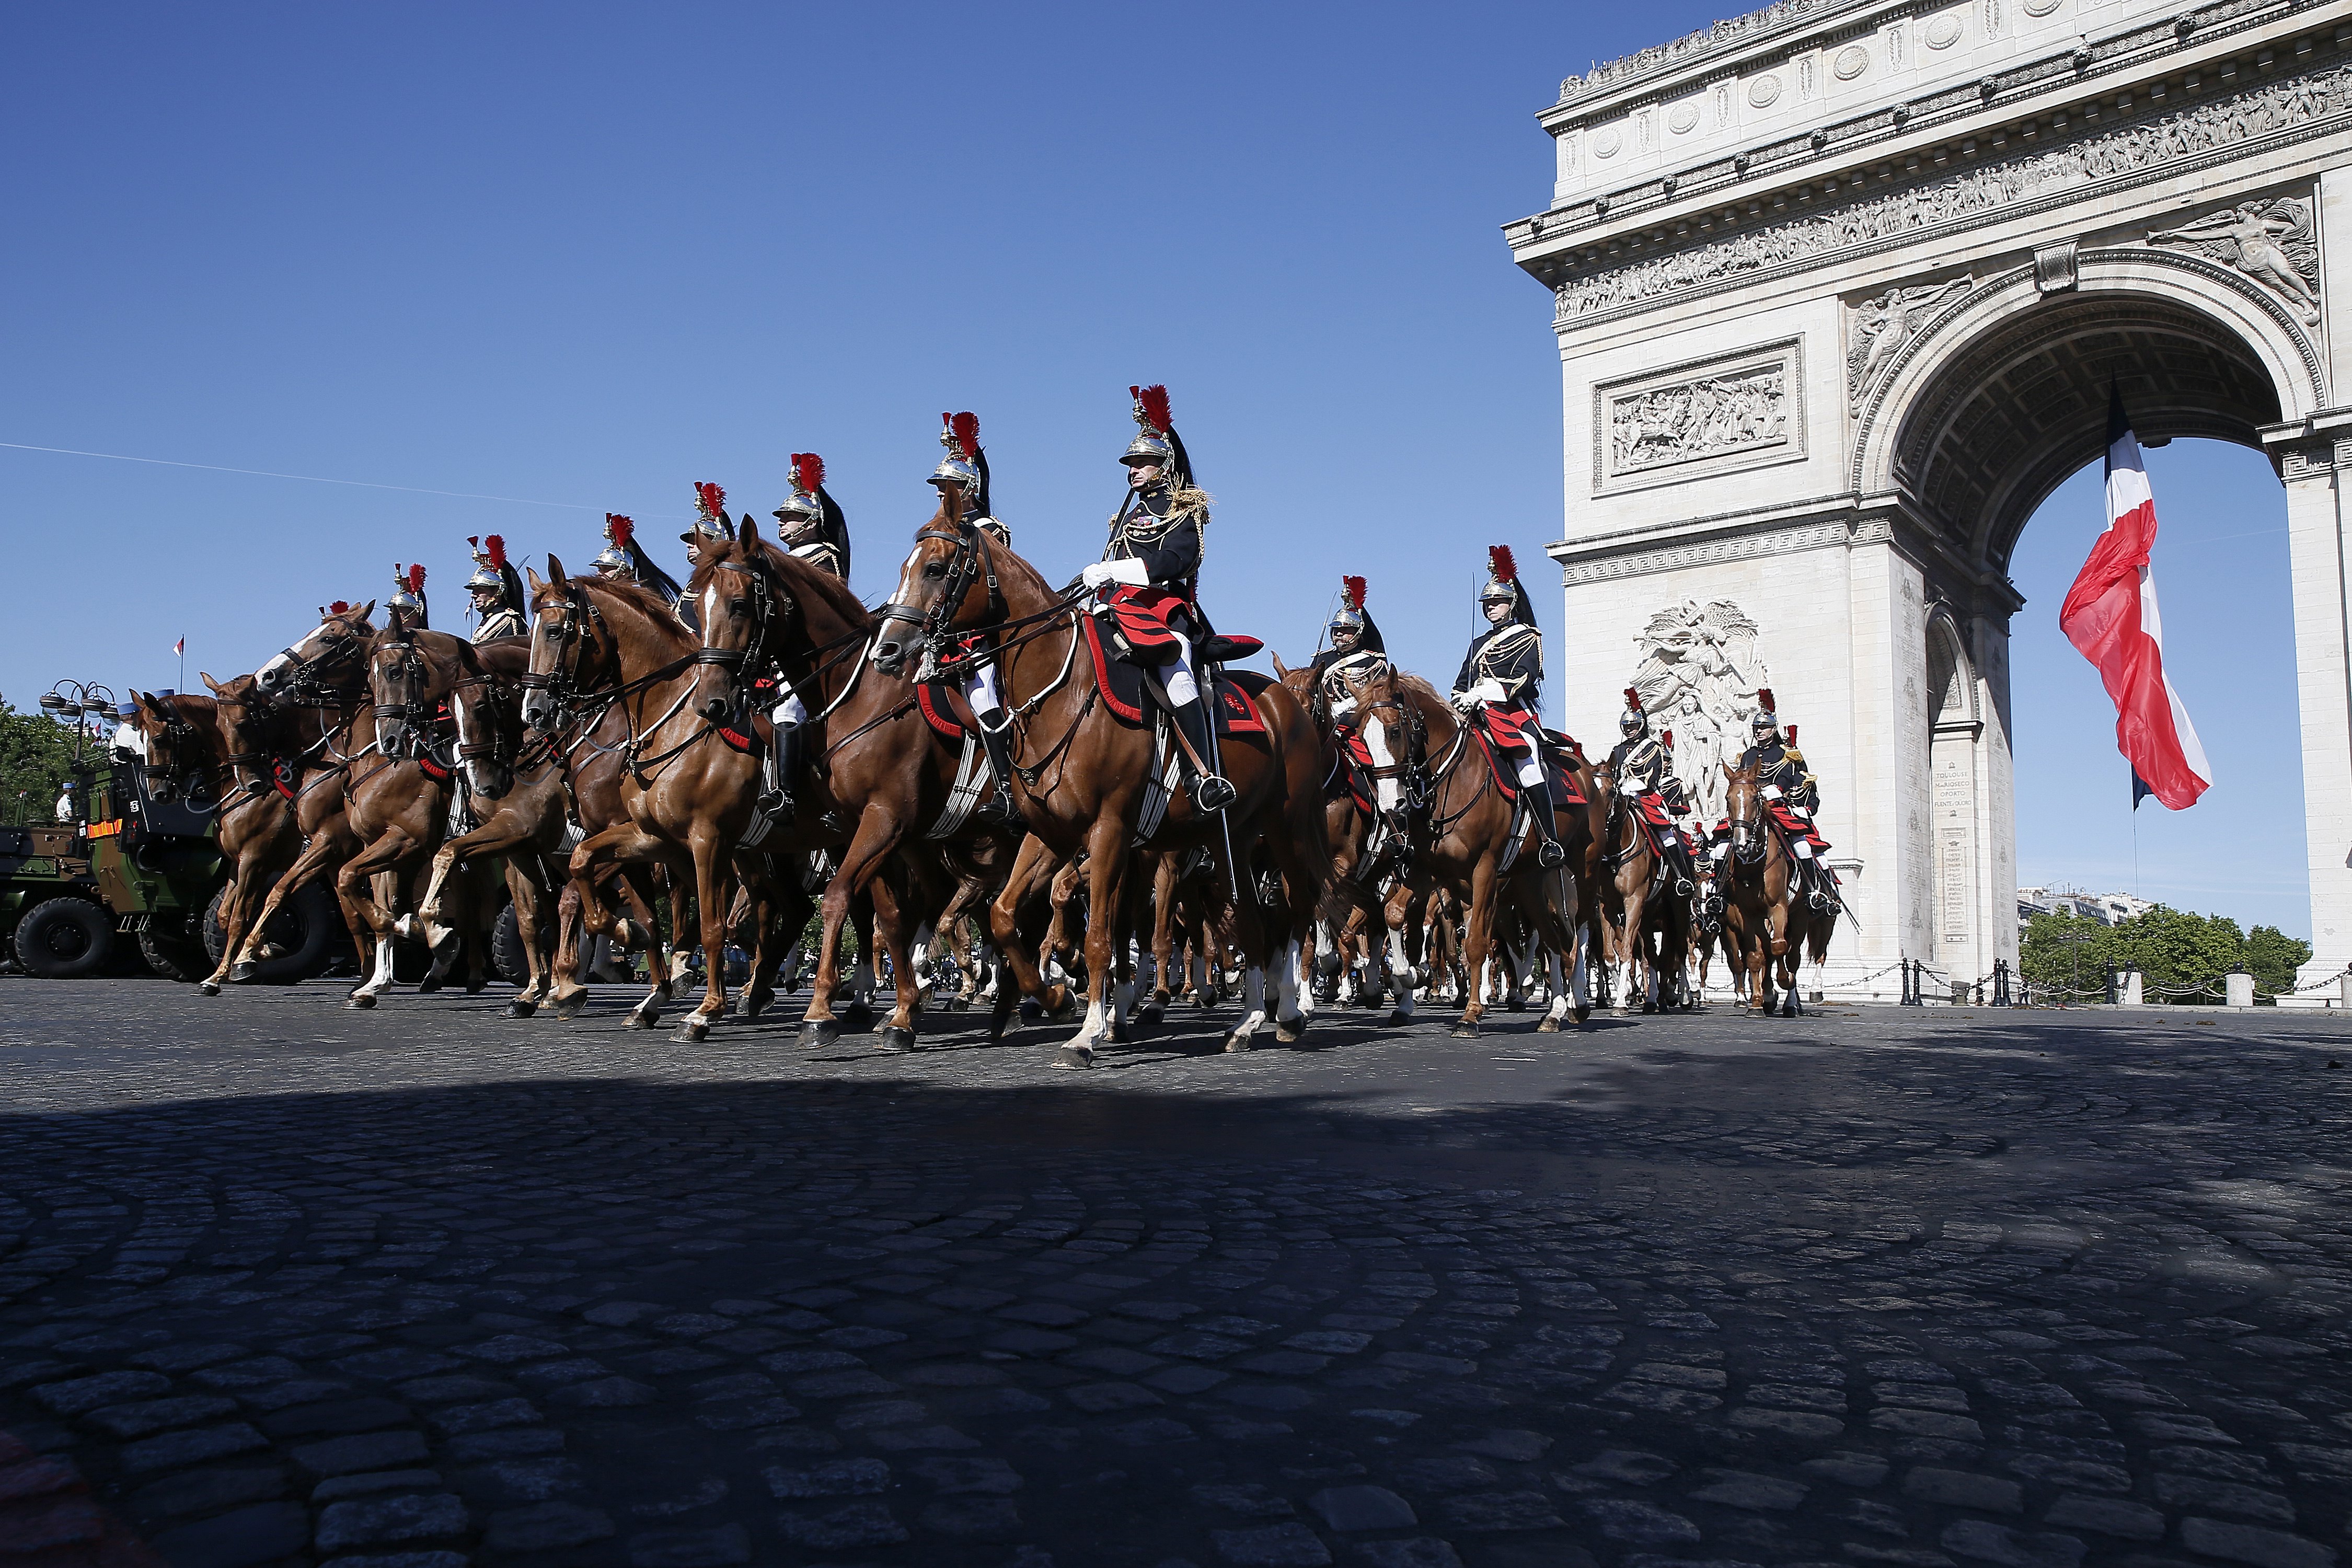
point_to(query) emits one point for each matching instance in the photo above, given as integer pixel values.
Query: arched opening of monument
(1991, 435)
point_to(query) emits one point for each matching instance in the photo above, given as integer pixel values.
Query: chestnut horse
(1462, 837)
(1766, 927)
(1352, 903)
(1648, 928)
(879, 775)
(1080, 773)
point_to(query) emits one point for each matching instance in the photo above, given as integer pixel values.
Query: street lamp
(79, 701)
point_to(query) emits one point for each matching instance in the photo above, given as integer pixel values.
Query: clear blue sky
(587, 254)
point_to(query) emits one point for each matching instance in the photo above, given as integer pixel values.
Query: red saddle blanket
(1506, 771)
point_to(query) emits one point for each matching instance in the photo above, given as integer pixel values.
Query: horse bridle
(1747, 836)
(183, 774)
(972, 562)
(304, 676)
(562, 684)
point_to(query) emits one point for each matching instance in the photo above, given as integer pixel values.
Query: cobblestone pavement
(288, 1284)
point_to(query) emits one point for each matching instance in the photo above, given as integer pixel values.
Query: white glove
(1129, 571)
(1465, 701)
(1771, 792)
(1487, 691)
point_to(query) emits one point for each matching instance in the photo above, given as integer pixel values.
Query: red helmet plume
(967, 433)
(1792, 734)
(808, 472)
(709, 500)
(340, 607)
(495, 547)
(1353, 589)
(1633, 698)
(1153, 401)
(416, 578)
(1507, 568)
(1764, 702)
(619, 529)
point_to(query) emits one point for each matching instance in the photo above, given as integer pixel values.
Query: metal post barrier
(2111, 983)
(2000, 983)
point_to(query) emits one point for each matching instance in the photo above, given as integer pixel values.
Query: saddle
(1128, 695)
(1563, 784)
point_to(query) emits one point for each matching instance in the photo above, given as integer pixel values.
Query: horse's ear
(364, 611)
(152, 704)
(1729, 771)
(556, 576)
(217, 688)
(1281, 670)
(747, 530)
(531, 578)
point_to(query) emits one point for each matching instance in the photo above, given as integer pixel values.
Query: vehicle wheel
(507, 954)
(307, 931)
(65, 939)
(171, 957)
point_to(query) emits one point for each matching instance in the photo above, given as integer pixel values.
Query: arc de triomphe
(1840, 287)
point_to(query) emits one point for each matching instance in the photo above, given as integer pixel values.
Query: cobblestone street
(289, 1284)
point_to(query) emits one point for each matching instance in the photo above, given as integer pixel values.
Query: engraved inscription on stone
(2270, 241)
(2092, 159)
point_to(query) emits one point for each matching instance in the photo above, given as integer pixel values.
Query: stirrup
(1683, 886)
(774, 804)
(1210, 792)
(1551, 854)
(998, 809)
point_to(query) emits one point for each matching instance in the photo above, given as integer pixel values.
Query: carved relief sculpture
(1699, 419)
(2269, 241)
(2090, 159)
(1698, 674)
(1877, 329)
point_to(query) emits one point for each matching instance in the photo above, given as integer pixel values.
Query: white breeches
(980, 690)
(790, 710)
(1182, 688)
(1530, 771)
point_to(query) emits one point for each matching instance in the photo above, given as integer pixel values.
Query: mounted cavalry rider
(709, 524)
(961, 480)
(1150, 571)
(811, 525)
(1644, 773)
(1792, 795)
(1498, 686)
(408, 594)
(1356, 646)
(624, 560)
(497, 591)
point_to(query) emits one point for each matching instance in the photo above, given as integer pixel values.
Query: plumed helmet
(407, 591)
(1349, 616)
(801, 507)
(1156, 440)
(494, 574)
(1634, 721)
(1503, 584)
(960, 434)
(709, 513)
(1765, 719)
(614, 560)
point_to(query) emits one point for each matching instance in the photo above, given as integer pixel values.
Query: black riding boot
(783, 766)
(1210, 791)
(995, 727)
(1686, 873)
(1550, 852)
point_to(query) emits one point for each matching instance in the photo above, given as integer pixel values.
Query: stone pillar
(2315, 549)
(2238, 989)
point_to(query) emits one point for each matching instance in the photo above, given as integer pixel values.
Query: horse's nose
(714, 708)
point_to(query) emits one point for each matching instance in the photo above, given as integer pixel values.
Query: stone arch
(2003, 394)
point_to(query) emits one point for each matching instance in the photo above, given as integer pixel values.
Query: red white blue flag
(2110, 616)
(180, 647)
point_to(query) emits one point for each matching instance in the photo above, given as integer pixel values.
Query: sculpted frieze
(1699, 419)
(2087, 161)
(2270, 242)
(1877, 329)
(1700, 670)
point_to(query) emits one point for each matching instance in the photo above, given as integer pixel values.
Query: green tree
(2272, 957)
(2178, 949)
(35, 757)
(2059, 947)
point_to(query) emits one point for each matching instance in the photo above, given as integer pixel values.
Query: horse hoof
(1235, 1045)
(692, 1030)
(1550, 1025)
(519, 1009)
(1151, 1015)
(756, 1004)
(476, 987)
(1119, 1035)
(1289, 1031)
(361, 1000)
(645, 1017)
(239, 973)
(1581, 1014)
(858, 1018)
(1073, 1057)
(1396, 1019)
(1067, 1013)
(818, 1032)
(1464, 1030)
(207, 987)
(895, 1041)
(426, 986)
(568, 1007)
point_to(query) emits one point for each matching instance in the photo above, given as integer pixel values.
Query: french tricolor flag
(2110, 616)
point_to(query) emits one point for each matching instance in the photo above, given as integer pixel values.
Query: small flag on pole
(2110, 616)
(180, 649)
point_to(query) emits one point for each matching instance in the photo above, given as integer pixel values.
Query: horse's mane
(1405, 680)
(829, 587)
(637, 596)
